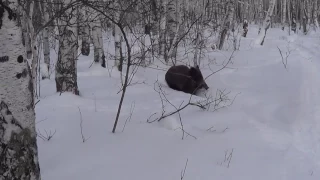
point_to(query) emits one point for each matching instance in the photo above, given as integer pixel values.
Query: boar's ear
(197, 67)
(193, 72)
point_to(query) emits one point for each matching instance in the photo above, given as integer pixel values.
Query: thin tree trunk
(143, 46)
(117, 39)
(174, 35)
(163, 21)
(309, 13)
(18, 150)
(34, 49)
(260, 10)
(199, 36)
(245, 19)
(45, 42)
(172, 25)
(66, 73)
(289, 16)
(315, 14)
(227, 24)
(85, 33)
(284, 8)
(98, 41)
(266, 24)
(26, 32)
(294, 17)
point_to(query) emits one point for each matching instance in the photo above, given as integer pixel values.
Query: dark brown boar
(183, 78)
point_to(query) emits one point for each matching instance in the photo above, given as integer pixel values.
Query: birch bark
(315, 15)
(46, 45)
(284, 12)
(227, 24)
(66, 72)
(97, 40)
(18, 143)
(163, 21)
(266, 24)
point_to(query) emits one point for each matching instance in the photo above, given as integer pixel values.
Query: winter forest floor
(271, 131)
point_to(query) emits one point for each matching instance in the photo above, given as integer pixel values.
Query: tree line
(143, 31)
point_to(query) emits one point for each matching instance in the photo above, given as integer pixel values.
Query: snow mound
(170, 123)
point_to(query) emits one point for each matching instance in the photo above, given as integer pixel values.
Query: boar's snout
(205, 86)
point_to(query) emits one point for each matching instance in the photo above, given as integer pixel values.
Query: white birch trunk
(309, 13)
(163, 21)
(117, 39)
(45, 42)
(142, 40)
(26, 30)
(260, 10)
(34, 49)
(174, 31)
(171, 22)
(27, 39)
(66, 72)
(289, 16)
(284, 12)
(199, 36)
(315, 15)
(18, 143)
(305, 25)
(245, 18)
(293, 18)
(97, 40)
(228, 23)
(85, 33)
(266, 24)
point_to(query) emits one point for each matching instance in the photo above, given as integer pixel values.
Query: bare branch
(183, 172)
(47, 136)
(130, 115)
(82, 136)
(224, 66)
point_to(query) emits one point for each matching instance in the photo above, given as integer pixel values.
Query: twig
(210, 129)
(224, 66)
(46, 137)
(130, 115)
(183, 172)
(284, 59)
(42, 120)
(36, 102)
(227, 158)
(230, 157)
(83, 138)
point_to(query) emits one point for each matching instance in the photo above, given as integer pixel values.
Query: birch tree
(28, 16)
(26, 32)
(245, 18)
(315, 15)
(199, 9)
(309, 13)
(266, 24)
(260, 11)
(174, 21)
(96, 29)
(117, 38)
(293, 17)
(18, 143)
(228, 22)
(84, 31)
(45, 41)
(66, 72)
(284, 12)
(163, 20)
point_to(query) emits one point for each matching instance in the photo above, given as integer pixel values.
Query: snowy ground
(271, 131)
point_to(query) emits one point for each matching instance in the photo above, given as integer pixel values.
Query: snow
(272, 129)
